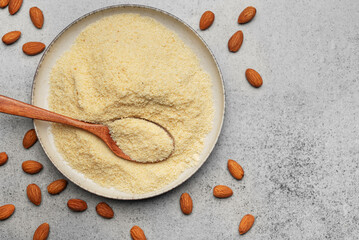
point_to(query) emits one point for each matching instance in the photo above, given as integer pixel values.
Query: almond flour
(123, 66)
(143, 141)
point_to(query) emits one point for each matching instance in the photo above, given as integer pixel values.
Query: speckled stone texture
(296, 137)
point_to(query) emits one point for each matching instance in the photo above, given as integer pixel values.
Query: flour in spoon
(141, 140)
(130, 65)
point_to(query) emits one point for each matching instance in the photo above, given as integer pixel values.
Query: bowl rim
(197, 167)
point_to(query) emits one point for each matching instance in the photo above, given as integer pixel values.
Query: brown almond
(222, 191)
(30, 139)
(104, 210)
(57, 186)
(42, 232)
(247, 15)
(235, 42)
(33, 48)
(77, 205)
(37, 17)
(246, 224)
(6, 211)
(14, 6)
(3, 158)
(34, 194)
(31, 167)
(254, 78)
(235, 169)
(186, 203)
(4, 3)
(11, 37)
(206, 20)
(137, 233)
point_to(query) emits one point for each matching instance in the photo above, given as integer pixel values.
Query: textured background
(296, 137)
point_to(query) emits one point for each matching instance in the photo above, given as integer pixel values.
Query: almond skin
(11, 37)
(77, 205)
(247, 15)
(206, 20)
(254, 78)
(31, 167)
(235, 169)
(222, 191)
(42, 232)
(6, 211)
(3, 158)
(37, 17)
(34, 194)
(104, 210)
(30, 139)
(4, 3)
(137, 233)
(186, 203)
(235, 42)
(33, 48)
(14, 6)
(57, 186)
(246, 224)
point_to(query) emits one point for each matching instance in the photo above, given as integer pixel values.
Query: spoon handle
(15, 107)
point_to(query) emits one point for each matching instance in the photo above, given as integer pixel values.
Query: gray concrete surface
(296, 137)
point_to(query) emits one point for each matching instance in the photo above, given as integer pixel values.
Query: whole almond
(11, 37)
(254, 78)
(34, 194)
(104, 210)
(6, 211)
(42, 232)
(57, 186)
(186, 203)
(77, 205)
(206, 20)
(31, 167)
(37, 17)
(235, 42)
(4, 3)
(137, 233)
(222, 191)
(3, 158)
(30, 139)
(235, 169)
(247, 15)
(33, 48)
(14, 6)
(246, 224)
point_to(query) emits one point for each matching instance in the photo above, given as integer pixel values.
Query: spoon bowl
(15, 107)
(142, 139)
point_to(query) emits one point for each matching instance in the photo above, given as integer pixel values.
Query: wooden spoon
(15, 107)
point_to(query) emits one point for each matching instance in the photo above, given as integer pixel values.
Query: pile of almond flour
(122, 66)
